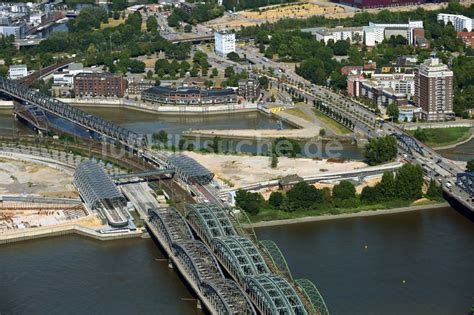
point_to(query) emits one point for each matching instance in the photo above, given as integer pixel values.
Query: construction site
(35, 195)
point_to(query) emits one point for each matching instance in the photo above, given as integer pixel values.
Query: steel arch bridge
(312, 294)
(73, 114)
(33, 115)
(209, 221)
(188, 169)
(227, 297)
(171, 225)
(408, 143)
(466, 181)
(274, 295)
(198, 260)
(239, 256)
(275, 254)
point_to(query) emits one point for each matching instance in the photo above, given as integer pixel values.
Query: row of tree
(406, 185)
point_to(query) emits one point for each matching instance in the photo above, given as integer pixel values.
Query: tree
(151, 23)
(276, 199)
(370, 195)
(420, 134)
(387, 186)
(470, 166)
(344, 195)
(188, 28)
(434, 190)
(233, 56)
(274, 161)
(344, 190)
(248, 201)
(215, 72)
(341, 47)
(393, 111)
(381, 150)
(304, 196)
(409, 182)
(229, 72)
(263, 80)
(322, 132)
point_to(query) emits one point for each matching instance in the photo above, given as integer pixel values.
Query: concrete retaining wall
(35, 233)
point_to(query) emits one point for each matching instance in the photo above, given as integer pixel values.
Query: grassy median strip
(331, 123)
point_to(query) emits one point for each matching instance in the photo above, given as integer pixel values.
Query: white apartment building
(224, 42)
(373, 35)
(404, 29)
(17, 72)
(352, 34)
(460, 22)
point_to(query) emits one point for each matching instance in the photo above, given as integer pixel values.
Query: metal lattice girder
(312, 294)
(33, 114)
(95, 185)
(277, 257)
(240, 256)
(408, 143)
(466, 181)
(210, 221)
(170, 224)
(66, 111)
(227, 297)
(273, 295)
(189, 170)
(198, 260)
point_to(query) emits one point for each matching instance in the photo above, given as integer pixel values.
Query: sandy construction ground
(301, 10)
(18, 177)
(243, 170)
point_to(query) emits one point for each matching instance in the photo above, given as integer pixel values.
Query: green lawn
(445, 136)
(334, 125)
(269, 214)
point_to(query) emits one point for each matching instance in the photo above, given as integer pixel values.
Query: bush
(276, 199)
(248, 201)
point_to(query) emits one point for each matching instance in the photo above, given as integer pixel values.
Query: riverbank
(365, 213)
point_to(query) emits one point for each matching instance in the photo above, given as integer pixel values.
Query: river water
(430, 250)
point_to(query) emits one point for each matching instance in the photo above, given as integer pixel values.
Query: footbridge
(196, 264)
(54, 109)
(253, 265)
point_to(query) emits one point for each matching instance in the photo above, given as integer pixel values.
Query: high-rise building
(434, 90)
(225, 42)
(460, 22)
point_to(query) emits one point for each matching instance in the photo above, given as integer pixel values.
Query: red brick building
(99, 85)
(467, 38)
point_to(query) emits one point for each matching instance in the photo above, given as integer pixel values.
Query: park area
(439, 137)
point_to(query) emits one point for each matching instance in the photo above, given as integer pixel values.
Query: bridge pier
(198, 304)
(170, 264)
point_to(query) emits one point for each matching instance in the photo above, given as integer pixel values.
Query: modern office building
(460, 22)
(434, 90)
(224, 42)
(189, 96)
(99, 85)
(16, 72)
